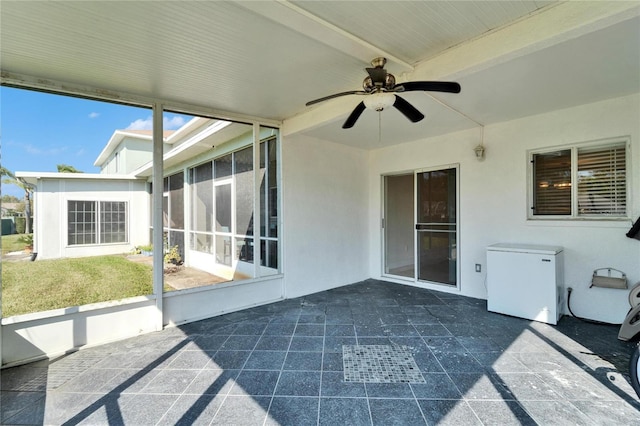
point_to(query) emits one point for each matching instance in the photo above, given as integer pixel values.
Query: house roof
(165, 134)
(33, 177)
(202, 137)
(266, 59)
(9, 206)
(119, 135)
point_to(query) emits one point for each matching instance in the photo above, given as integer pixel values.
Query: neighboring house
(126, 150)
(12, 209)
(82, 214)
(9, 213)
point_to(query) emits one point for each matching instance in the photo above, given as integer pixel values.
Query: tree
(65, 168)
(11, 179)
(9, 199)
(6, 172)
(12, 200)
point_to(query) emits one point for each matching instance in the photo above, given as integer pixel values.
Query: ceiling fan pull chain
(379, 127)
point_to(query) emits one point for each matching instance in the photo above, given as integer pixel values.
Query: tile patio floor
(283, 364)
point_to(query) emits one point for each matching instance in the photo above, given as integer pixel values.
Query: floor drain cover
(379, 364)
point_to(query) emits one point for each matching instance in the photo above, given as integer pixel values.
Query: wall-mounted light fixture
(479, 149)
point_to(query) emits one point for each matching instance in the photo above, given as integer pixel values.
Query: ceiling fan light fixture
(368, 85)
(389, 82)
(379, 101)
(379, 90)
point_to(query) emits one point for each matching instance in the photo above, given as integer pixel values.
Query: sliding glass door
(420, 226)
(398, 225)
(436, 226)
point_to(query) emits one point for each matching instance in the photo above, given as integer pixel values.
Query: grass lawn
(10, 243)
(50, 284)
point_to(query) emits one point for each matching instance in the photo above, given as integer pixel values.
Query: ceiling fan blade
(408, 110)
(378, 75)
(353, 117)
(429, 86)
(336, 95)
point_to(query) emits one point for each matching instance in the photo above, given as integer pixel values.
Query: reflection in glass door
(399, 252)
(436, 226)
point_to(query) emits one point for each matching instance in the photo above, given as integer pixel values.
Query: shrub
(173, 256)
(21, 224)
(27, 239)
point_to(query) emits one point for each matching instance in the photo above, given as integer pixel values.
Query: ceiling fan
(380, 88)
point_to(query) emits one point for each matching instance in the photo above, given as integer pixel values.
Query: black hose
(634, 232)
(590, 321)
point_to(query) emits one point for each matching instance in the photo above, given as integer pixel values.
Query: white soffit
(211, 54)
(418, 30)
(588, 53)
(261, 59)
(596, 66)
(266, 59)
(600, 65)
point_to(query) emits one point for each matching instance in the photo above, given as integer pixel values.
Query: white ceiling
(266, 59)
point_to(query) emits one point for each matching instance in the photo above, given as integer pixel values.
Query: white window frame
(98, 222)
(267, 196)
(233, 232)
(575, 216)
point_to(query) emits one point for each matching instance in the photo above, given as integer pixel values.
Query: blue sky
(39, 130)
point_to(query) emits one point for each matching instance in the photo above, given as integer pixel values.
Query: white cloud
(34, 150)
(141, 124)
(94, 115)
(171, 123)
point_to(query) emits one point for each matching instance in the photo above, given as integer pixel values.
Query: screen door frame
(386, 271)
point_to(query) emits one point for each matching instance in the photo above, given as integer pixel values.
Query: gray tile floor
(282, 364)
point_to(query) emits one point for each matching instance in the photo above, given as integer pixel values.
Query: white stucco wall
(135, 153)
(35, 336)
(324, 215)
(205, 302)
(493, 194)
(132, 154)
(51, 214)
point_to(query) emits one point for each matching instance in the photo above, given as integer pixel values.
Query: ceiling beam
(541, 30)
(320, 115)
(548, 27)
(309, 25)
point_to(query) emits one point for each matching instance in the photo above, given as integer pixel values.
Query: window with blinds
(552, 183)
(602, 183)
(586, 181)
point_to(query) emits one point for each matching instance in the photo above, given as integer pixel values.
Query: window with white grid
(82, 222)
(113, 222)
(96, 222)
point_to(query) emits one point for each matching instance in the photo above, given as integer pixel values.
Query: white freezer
(526, 281)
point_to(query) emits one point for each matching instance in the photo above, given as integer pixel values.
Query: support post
(256, 201)
(158, 188)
